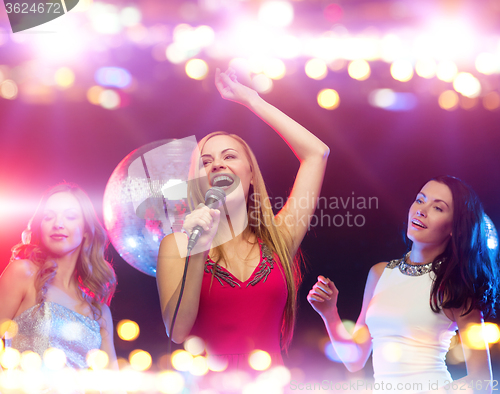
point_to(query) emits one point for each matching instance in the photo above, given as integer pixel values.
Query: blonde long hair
(262, 224)
(94, 275)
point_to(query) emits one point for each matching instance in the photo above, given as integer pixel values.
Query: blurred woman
(58, 285)
(413, 306)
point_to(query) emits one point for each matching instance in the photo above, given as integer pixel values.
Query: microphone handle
(195, 235)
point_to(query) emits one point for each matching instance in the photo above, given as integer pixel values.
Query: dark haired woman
(58, 285)
(413, 306)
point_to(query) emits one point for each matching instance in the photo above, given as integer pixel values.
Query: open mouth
(418, 223)
(222, 180)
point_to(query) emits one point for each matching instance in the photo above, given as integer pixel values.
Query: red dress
(235, 318)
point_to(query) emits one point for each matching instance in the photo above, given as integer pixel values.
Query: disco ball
(146, 199)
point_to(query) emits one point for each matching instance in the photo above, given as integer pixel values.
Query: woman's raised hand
(323, 296)
(230, 89)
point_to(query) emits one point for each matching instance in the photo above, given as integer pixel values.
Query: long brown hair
(94, 275)
(262, 224)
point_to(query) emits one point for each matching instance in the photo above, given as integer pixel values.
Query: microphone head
(215, 197)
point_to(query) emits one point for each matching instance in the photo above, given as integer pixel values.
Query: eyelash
(419, 201)
(205, 163)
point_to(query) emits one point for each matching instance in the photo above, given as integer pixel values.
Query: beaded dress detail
(236, 317)
(49, 324)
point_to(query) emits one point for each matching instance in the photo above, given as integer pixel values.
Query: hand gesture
(323, 296)
(206, 218)
(230, 89)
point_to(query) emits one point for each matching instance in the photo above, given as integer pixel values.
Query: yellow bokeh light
(328, 99)
(199, 366)
(170, 382)
(196, 69)
(194, 345)
(446, 71)
(402, 70)
(491, 101)
(127, 330)
(262, 83)
(30, 361)
(345, 328)
(491, 332)
(359, 69)
(182, 360)
(10, 358)
(316, 69)
(426, 68)
(54, 358)
(8, 89)
(487, 63)
(448, 100)
(474, 337)
(467, 84)
(94, 93)
(8, 329)
(64, 77)
(361, 335)
(259, 360)
(217, 364)
(97, 359)
(1, 345)
(140, 360)
(274, 68)
(456, 355)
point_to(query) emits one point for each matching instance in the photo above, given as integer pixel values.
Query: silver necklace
(410, 269)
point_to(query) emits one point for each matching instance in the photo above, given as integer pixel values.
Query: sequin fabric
(49, 325)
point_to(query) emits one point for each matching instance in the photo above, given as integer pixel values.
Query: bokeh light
(491, 332)
(128, 330)
(491, 101)
(328, 99)
(359, 69)
(140, 360)
(276, 13)
(30, 361)
(274, 68)
(402, 70)
(262, 83)
(54, 358)
(94, 94)
(316, 69)
(259, 360)
(199, 366)
(392, 352)
(475, 336)
(113, 77)
(170, 382)
(8, 89)
(109, 99)
(487, 63)
(426, 68)
(182, 360)
(10, 358)
(333, 12)
(448, 100)
(446, 71)
(217, 364)
(196, 69)
(194, 345)
(64, 77)
(130, 16)
(97, 359)
(8, 329)
(467, 84)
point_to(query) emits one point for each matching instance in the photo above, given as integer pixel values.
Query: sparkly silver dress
(410, 341)
(49, 324)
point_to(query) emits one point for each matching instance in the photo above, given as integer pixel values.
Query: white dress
(410, 341)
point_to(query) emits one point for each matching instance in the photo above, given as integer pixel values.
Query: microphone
(214, 198)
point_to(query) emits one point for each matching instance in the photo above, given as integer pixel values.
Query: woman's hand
(323, 296)
(230, 89)
(208, 219)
